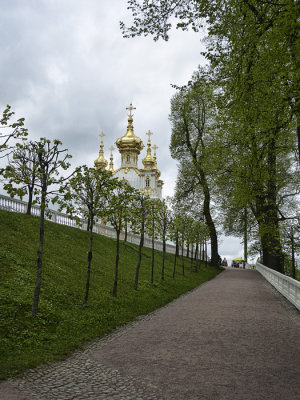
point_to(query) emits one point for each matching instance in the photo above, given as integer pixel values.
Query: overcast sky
(66, 69)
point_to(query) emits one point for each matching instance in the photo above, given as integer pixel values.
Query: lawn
(63, 322)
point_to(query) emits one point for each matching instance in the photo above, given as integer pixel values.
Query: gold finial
(155, 148)
(149, 133)
(148, 161)
(111, 164)
(100, 162)
(130, 108)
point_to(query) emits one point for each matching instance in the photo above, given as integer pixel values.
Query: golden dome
(129, 141)
(148, 161)
(100, 162)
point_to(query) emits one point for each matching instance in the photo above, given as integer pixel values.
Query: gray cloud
(65, 67)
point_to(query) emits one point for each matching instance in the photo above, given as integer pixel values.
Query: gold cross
(111, 148)
(102, 134)
(130, 108)
(155, 147)
(149, 133)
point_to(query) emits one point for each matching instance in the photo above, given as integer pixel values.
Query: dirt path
(232, 338)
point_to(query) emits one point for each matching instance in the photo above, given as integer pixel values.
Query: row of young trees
(235, 125)
(36, 169)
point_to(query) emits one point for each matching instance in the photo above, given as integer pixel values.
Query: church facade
(147, 179)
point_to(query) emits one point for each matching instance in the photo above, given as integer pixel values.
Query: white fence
(10, 204)
(288, 287)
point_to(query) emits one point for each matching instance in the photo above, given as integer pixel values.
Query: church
(146, 180)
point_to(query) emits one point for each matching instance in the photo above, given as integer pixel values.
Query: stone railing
(14, 205)
(288, 287)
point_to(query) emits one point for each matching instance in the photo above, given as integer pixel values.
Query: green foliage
(63, 322)
(194, 144)
(120, 200)
(10, 130)
(253, 48)
(85, 196)
(21, 173)
(152, 218)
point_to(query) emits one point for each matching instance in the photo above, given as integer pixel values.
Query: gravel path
(232, 338)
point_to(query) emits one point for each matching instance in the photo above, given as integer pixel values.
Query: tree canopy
(247, 157)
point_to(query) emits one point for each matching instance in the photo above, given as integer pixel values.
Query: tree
(200, 230)
(10, 131)
(117, 211)
(192, 238)
(253, 48)
(292, 246)
(85, 199)
(235, 28)
(163, 225)
(239, 222)
(139, 215)
(50, 160)
(182, 227)
(151, 228)
(174, 236)
(192, 141)
(22, 172)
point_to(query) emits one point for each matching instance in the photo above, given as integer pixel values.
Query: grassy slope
(63, 323)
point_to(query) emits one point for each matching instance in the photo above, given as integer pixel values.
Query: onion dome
(129, 141)
(148, 161)
(100, 162)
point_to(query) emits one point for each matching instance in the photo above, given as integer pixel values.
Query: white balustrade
(10, 204)
(288, 287)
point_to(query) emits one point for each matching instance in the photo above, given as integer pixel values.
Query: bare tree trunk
(208, 219)
(153, 253)
(246, 235)
(212, 229)
(191, 270)
(136, 282)
(175, 256)
(90, 256)
(201, 251)
(269, 232)
(298, 136)
(126, 231)
(182, 259)
(39, 263)
(293, 255)
(196, 256)
(163, 258)
(30, 198)
(117, 264)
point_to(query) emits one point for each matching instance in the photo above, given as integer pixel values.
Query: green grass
(63, 322)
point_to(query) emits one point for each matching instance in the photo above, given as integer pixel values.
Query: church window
(128, 157)
(147, 182)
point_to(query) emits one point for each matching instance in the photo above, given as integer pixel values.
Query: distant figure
(224, 263)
